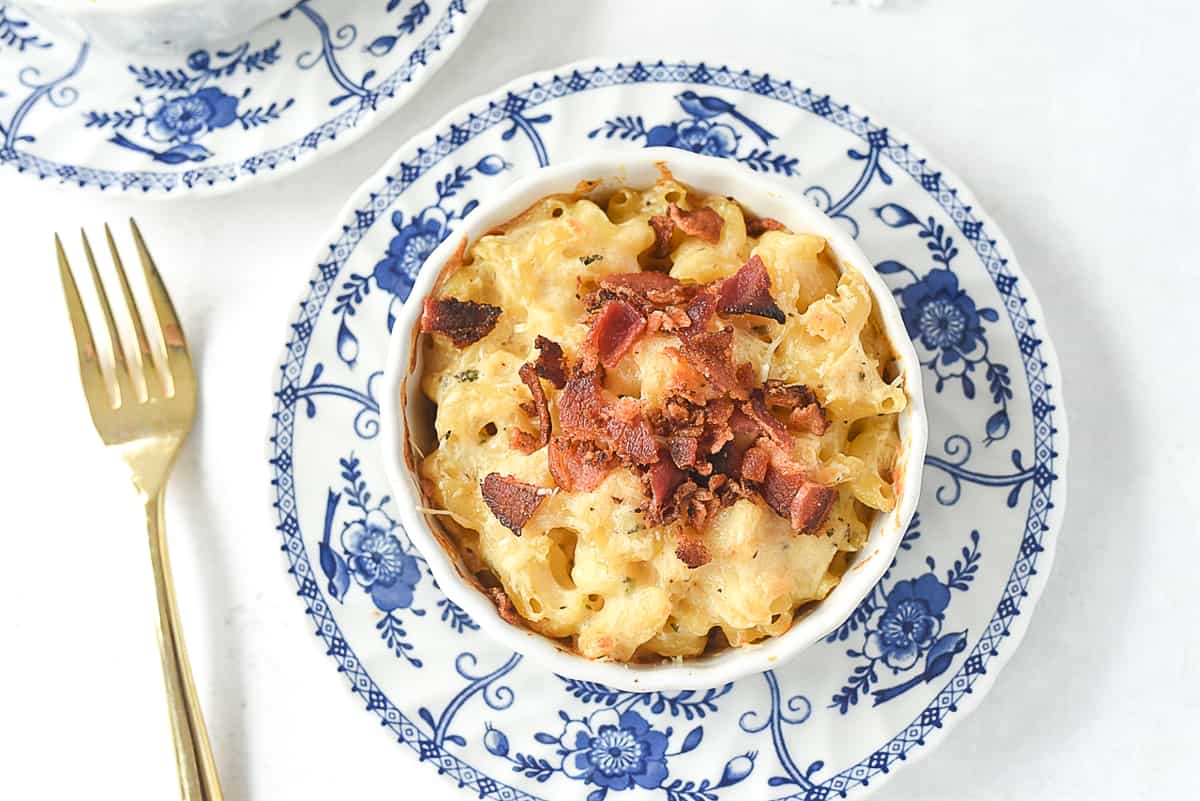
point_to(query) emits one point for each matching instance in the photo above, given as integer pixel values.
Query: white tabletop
(1077, 125)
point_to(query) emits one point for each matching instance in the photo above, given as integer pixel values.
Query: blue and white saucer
(298, 86)
(883, 689)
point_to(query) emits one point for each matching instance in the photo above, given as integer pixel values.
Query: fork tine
(139, 329)
(179, 363)
(89, 362)
(124, 380)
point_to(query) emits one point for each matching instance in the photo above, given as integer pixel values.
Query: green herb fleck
(595, 257)
(467, 375)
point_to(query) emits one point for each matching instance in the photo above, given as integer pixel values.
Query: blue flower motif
(615, 750)
(911, 622)
(699, 136)
(412, 244)
(182, 119)
(942, 316)
(379, 563)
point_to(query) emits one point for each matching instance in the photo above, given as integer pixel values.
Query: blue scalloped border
(971, 227)
(268, 160)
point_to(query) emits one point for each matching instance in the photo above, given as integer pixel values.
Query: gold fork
(147, 435)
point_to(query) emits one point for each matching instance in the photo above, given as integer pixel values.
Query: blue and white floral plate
(884, 688)
(215, 119)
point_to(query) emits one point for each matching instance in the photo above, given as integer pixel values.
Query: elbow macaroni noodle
(589, 568)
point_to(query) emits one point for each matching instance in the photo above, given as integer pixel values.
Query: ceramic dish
(402, 422)
(874, 697)
(223, 116)
(157, 26)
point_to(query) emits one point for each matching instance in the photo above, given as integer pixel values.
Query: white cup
(156, 26)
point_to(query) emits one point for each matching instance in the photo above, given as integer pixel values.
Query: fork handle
(193, 754)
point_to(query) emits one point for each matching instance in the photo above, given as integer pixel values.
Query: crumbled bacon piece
(712, 354)
(504, 606)
(521, 440)
(757, 411)
(681, 409)
(704, 223)
(803, 503)
(663, 478)
(615, 330)
(700, 310)
(663, 228)
(809, 418)
(580, 404)
(804, 410)
(811, 506)
(678, 417)
(577, 466)
(684, 451)
(512, 501)
(694, 504)
(718, 410)
(692, 551)
(718, 430)
(669, 319)
(645, 290)
(748, 291)
(464, 321)
(787, 396)
(779, 489)
(541, 408)
(746, 377)
(743, 425)
(645, 283)
(759, 226)
(551, 363)
(593, 301)
(629, 432)
(615, 426)
(694, 430)
(754, 465)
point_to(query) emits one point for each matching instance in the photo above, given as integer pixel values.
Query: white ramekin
(157, 26)
(766, 199)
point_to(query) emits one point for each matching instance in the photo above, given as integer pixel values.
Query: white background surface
(1076, 124)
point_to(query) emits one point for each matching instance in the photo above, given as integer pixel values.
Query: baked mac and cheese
(662, 426)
